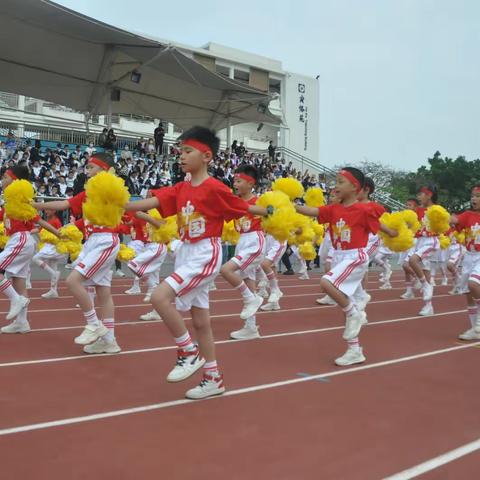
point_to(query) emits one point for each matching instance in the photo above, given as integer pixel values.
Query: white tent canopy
(56, 54)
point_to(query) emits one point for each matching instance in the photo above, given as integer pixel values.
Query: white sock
(22, 316)
(136, 282)
(91, 293)
(91, 318)
(185, 342)
(251, 322)
(245, 291)
(350, 309)
(110, 335)
(354, 344)
(272, 281)
(472, 315)
(6, 287)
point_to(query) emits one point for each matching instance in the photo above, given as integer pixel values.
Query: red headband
(201, 147)
(351, 179)
(100, 163)
(245, 177)
(476, 190)
(11, 174)
(426, 191)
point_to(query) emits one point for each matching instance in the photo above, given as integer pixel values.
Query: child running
(16, 257)
(93, 267)
(202, 205)
(240, 270)
(351, 223)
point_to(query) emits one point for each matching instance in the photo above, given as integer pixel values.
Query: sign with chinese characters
(301, 115)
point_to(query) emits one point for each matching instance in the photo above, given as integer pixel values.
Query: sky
(399, 79)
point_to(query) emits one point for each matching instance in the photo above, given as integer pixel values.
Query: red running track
(289, 412)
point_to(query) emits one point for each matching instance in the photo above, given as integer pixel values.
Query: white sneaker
(102, 346)
(187, 364)
(90, 334)
(427, 291)
(16, 306)
(350, 357)
(385, 286)
(362, 304)
(262, 284)
(212, 287)
(275, 295)
(269, 306)
(147, 297)
(263, 292)
(417, 285)
(353, 324)
(470, 334)
(208, 387)
(69, 266)
(133, 291)
(50, 294)
(57, 278)
(453, 291)
(246, 333)
(119, 273)
(427, 310)
(16, 327)
(304, 276)
(153, 315)
(408, 295)
(251, 306)
(444, 282)
(326, 300)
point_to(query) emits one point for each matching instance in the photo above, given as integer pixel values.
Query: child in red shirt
(202, 205)
(93, 267)
(240, 271)
(16, 257)
(351, 223)
(469, 222)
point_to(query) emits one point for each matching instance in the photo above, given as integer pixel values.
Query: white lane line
(230, 393)
(219, 342)
(69, 309)
(436, 462)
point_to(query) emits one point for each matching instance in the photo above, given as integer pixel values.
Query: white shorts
(173, 246)
(137, 245)
(405, 256)
(455, 254)
(426, 248)
(196, 266)
(97, 258)
(470, 271)
(384, 251)
(325, 248)
(274, 249)
(249, 253)
(440, 256)
(17, 255)
(373, 245)
(49, 253)
(149, 260)
(349, 270)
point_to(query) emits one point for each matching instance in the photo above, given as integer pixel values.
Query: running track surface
(289, 413)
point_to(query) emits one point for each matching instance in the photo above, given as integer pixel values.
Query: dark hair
(105, 158)
(357, 174)
(412, 199)
(432, 188)
(249, 170)
(204, 135)
(21, 172)
(370, 185)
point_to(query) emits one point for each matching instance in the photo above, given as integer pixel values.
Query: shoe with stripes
(208, 387)
(188, 362)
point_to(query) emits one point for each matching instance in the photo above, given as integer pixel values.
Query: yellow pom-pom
(40, 245)
(167, 232)
(70, 242)
(3, 236)
(18, 198)
(281, 223)
(437, 219)
(48, 237)
(229, 233)
(444, 241)
(412, 220)
(106, 198)
(405, 238)
(125, 254)
(307, 251)
(314, 197)
(290, 186)
(275, 199)
(460, 237)
(319, 233)
(303, 230)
